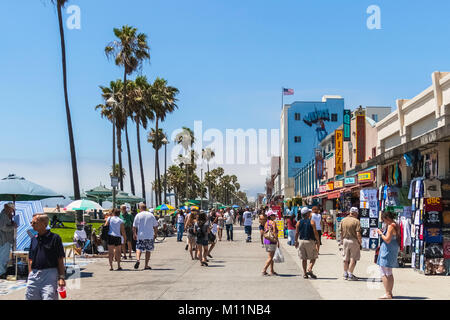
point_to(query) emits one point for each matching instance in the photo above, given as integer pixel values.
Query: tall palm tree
(76, 184)
(115, 114)
(130, 51)
(208, 154)
(163, 100)
(185, 138)
(156, 138)
(143, 112)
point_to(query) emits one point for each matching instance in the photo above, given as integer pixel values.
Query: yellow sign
(280, 227)
(330, 186)
(365, 176)
(339, 184)
(339, 158)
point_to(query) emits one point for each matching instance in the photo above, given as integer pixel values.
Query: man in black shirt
(46, 262)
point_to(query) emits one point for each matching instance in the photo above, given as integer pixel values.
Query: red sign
(360, 139)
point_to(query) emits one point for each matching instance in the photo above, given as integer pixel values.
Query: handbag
(377, 253)
(211, 237)
(268, 234)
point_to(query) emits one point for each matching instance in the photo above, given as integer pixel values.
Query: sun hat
(354, 209)
(270, 213)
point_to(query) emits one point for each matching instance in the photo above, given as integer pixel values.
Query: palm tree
(208, 154)
(162, 99)
(142, 112)
(156, 138)
(115, 114)
(129, 51)
(187, 139)
(76, 184)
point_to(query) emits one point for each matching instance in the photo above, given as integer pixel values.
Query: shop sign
(330, 186)
(350, 181)
(347, 124)
(365, 176)
(323, 188)
(280, 226)
(319, 165)
(339, 158)
(361, 137)
(338, 184)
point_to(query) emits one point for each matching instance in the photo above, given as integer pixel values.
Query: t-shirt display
(369, 218)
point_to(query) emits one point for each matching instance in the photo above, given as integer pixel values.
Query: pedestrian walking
(228, 216)
(116, 237)
(307, 233)
(220, 225)
(7, 226)
(201, 231)
(271, 245)
(45, 262)
(291, 223)
(127, 219)
(351, 241)
(190, 224)
(247, 217)
(317, 218)
(389, 248)
(145, 229)
(262, 223)
(212, 236)
(180, 226)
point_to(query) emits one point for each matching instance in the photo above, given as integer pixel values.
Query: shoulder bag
(105, 231)
(268, 233)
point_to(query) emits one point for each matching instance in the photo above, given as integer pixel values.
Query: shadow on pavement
(288, 275)
(162, 269)
(320, 278)
(409, 298)
(86, 274)
(216, 266)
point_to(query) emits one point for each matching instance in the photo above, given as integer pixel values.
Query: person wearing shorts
(127, 219)
(221, 224)
(262, 222)
(351, 240)
(317, 217)
(271, 247)
(116, 235)
(145, 228)
(307, 233)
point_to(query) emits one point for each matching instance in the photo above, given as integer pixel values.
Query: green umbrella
(123, 197)
(14, 188)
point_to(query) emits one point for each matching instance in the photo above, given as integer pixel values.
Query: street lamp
(165, 142)
(114, 183)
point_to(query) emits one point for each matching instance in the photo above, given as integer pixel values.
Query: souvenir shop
(412, 189)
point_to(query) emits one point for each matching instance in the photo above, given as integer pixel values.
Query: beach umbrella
(83, 205)
(14, 188)
(164, 207)
(235, 206)
(194, 208)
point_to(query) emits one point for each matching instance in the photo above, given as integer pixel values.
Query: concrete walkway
(235, 274)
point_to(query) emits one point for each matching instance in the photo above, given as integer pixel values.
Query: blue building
(304, 124)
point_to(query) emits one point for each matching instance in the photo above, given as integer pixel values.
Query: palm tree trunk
(73, 156)
(140, 159)
(119, 154)
(157, 172)
(130, 166)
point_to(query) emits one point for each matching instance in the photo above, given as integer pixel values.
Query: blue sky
(228, 58)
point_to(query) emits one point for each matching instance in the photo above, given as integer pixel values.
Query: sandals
(386, 297)
(312, 275)
(136, 265)
(305, 276)
(119, 269)
(273, 274)
(204, 264)
(111, 269)
(264, 274)
(148, 268)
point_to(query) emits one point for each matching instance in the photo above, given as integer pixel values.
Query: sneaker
(345, 276)
(136, 266)
(352, 278)
(312, 275)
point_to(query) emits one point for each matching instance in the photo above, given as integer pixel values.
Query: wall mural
(318, 117)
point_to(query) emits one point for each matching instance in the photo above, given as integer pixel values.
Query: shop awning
(334, 194)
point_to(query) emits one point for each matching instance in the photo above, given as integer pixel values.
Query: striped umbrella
(164, 207)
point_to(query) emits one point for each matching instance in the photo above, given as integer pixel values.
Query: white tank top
(114, 226)
(317, 217)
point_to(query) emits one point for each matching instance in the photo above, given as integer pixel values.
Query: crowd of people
(125, 232)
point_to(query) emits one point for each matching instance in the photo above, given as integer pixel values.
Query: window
(298, 159)
(375, 117)
(297, 116)
(297, 139)
(334, 117)
(374, 152)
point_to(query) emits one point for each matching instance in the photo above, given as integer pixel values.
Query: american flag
(288, 92)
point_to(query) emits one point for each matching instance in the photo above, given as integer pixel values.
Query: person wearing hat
(351, 239)
(7, 226)
(306, 231)
(271, 247)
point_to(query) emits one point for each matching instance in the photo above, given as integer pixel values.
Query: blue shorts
(42, 285)
(145, 245)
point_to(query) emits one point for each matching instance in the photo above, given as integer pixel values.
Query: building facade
(304, 124)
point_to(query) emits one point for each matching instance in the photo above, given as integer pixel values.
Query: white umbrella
(83, 205)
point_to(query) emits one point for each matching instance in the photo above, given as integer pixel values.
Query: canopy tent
(123, 197)
(101, 193)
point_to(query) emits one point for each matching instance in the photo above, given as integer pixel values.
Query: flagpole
(282, 98)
